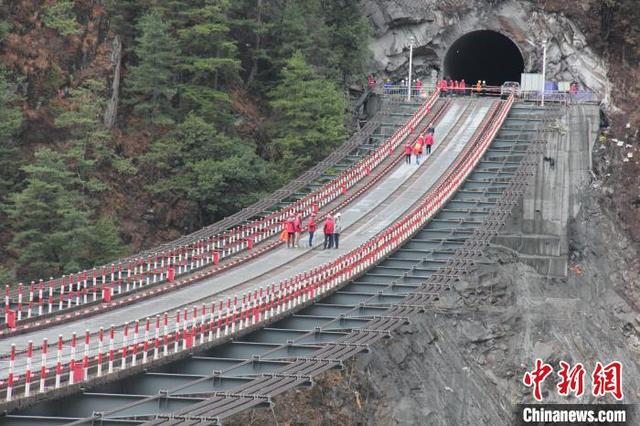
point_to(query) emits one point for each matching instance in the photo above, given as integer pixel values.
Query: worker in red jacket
(328, 232)
(443, 88)
(311, 227)
(428, 141)
(407, 153)
(291, 232)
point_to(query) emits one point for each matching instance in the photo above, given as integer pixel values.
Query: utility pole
(411, 41)
(544, 69)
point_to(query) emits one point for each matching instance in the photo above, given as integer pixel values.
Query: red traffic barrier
(11, 318)
(78, 372)
(171, 273)
(106, 294)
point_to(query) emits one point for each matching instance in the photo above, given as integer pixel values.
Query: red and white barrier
(211, 250)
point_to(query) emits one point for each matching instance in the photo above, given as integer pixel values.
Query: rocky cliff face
(436, 25)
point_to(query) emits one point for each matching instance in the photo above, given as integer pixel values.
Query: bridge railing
(556, 96)
(122, 277)
(141, 343)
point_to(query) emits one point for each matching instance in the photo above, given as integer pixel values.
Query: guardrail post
(85, 358)
(165, 335)
(100, 349)
(12, 360)
(43, 364)
(134, 352)
(156, 337)
(95, 284)
(176, 340)
(72, 358)
(59, 361)
(125, 342)
(27, 372)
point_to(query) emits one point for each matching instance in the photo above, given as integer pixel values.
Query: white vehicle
(509, 87)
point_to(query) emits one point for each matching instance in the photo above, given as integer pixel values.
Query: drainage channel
(249, 371)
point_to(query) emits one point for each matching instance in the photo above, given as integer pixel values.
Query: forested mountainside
(124, 123)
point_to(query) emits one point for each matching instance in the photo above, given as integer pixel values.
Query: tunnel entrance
(484, 55)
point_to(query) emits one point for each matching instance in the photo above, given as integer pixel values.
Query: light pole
(411, 41)
(544, 67)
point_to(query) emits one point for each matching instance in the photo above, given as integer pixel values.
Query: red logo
(571, 379)
(536, 377)
(607, 379)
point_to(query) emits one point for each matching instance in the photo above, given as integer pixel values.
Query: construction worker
(418, 148)
(311, 227)
(337, 228)
(407, 153)
(478, 87)
(443, 88)
(328, 232)
(428, 141)
(290, 228)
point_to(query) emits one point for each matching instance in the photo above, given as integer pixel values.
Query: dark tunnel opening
(484, 55)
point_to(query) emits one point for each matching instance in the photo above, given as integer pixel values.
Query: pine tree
(310, 113)
(218, 174)
(10, 123)
(59, 15)
(209, 57)
(88, 136)
(50, 220)
(151, 84)
(123, 15)
(349, 33)
(273, 31)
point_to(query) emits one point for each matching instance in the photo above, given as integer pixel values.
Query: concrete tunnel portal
(484, 55)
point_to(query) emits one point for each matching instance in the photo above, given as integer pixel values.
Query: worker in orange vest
(418, 148)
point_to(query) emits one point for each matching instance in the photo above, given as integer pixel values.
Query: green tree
(123, 15)
(209, 57)
(151, 84)
(272, 31)
(310, 116)
(215, 173)
(88, 149)
(349, 35)
(59, 15)
(332, 35)
(50, 220)
(10, 124)
(104, 244)
(88, 136)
